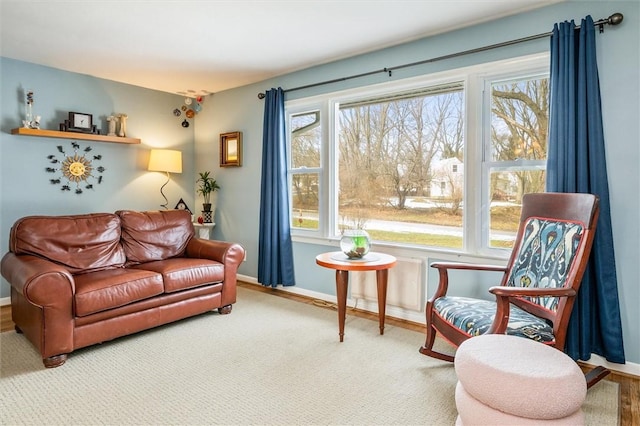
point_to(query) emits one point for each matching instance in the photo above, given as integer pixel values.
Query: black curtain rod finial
(261, 95)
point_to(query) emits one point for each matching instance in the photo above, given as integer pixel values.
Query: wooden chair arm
(469, 266)
(531, 292)
(443, 268)
(503, 295)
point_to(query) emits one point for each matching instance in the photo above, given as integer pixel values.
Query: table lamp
(168, 161)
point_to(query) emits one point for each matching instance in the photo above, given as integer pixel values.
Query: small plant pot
(206, 207)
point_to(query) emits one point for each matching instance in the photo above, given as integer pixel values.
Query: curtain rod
(614, 19)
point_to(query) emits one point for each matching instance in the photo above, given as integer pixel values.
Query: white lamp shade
(165, 160)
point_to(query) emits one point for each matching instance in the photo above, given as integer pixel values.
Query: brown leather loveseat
(85, 279)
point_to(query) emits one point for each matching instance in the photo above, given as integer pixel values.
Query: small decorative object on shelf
(30, 121)
(112, 120)
(80, 122)
(123, 125)
(355, 243)
(75, 168)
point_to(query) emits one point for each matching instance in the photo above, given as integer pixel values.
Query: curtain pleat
(576, 163)
(275, 255)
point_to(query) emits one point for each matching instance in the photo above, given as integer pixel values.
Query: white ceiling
(195, 47)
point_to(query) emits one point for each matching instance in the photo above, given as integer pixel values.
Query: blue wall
(618, 47)
(24, 184)
(25, 188)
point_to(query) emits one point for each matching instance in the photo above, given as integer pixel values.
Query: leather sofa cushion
(81, 243)
(183, 273)
(154, 235)
(108, 289)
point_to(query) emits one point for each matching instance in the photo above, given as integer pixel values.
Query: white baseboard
(5, 301)
(628, 368)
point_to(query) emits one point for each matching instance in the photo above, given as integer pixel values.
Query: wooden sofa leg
(54, 361)
(224, 310)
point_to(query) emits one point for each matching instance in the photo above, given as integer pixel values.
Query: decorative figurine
(123, 125)
(112, 125)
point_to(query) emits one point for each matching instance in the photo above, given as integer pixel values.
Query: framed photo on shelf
(231, 149)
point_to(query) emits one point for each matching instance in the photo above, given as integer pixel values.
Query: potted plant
(206, 185)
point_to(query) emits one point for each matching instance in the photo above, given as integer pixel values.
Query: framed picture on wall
(231, 149)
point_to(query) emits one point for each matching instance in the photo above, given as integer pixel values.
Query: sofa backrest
(155, 235)
(81, 243)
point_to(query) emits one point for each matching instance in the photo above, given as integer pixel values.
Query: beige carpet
(271, 361)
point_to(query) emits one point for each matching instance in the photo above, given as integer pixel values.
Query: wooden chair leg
(595, 375)
(427, 348)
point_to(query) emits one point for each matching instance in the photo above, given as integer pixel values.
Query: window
(441, 161)
(305, 143)
(517, 151)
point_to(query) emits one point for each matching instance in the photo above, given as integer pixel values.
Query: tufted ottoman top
(520, 376)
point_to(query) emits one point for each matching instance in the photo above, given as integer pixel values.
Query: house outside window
(437, 162)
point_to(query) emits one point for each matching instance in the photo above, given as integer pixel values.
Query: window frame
(477, 115)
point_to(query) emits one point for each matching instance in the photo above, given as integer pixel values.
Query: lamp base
(166, 201)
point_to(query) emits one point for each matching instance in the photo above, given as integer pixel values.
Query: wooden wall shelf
(23, 131)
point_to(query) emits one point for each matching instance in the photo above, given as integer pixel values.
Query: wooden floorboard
(629, 385)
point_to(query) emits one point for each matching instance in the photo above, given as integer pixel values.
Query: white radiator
(404, 286)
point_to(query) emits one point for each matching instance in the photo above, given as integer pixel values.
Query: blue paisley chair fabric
(474, 317)
(544, 258)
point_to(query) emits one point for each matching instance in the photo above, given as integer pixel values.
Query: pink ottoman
(507, 379)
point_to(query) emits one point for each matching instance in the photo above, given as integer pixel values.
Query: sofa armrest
(41, 302)
(229, 254)
(40, 281)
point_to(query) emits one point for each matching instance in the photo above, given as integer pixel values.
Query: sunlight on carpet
(271, 361)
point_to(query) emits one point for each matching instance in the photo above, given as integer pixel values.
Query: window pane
(507, 188)
(304, 200)
(305, 140)
(400, 169)
(519, 118)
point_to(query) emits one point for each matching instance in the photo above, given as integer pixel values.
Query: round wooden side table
(373, 261)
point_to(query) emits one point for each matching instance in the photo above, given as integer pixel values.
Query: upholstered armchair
(539, 283)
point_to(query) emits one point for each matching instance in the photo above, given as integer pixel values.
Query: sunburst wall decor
(76, 168)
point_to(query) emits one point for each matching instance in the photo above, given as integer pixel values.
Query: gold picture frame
(231, 149)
